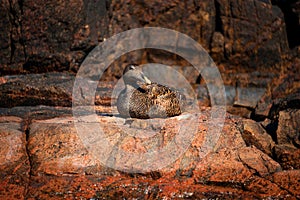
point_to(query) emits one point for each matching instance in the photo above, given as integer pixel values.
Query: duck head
(134, 76)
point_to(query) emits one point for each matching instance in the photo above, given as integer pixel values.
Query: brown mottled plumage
(143, 99)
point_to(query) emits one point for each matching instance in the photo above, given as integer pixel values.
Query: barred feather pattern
(150, 101)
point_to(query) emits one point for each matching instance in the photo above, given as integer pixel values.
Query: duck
(143, 99)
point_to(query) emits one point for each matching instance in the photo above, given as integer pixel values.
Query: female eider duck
(143, 99)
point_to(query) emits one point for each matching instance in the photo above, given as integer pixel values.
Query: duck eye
(131, 67)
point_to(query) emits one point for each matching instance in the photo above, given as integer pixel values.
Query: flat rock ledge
(107, 157)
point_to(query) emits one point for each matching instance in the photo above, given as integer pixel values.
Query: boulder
(14, 161)
(254, 134)
(65, 161)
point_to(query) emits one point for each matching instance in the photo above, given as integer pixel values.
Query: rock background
(242, 36)
(255, 44)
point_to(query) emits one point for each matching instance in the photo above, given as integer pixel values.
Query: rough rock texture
(29, 90)
(55, 89)
(288, 130)
(255, 134)
(255, 44)
(41, 38)
(288, 156)
(49, 89)
(61, 166)
(292, 176)
(291, 10)
(15, 165)
(243, 36)
(282, 93)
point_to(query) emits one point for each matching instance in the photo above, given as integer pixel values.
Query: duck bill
(147, 80)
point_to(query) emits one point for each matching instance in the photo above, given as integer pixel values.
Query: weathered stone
(291, 10)
(288, 156)
(244, 36)
(238, 168)
(288, 131)
(256, 160)
(248, 97)
(36, 112)
(58, 152)
(49, 89)
(230, 94)
(40, 89)
(266, 188)
(202, 95)
(51, 38)
(217, 46)
(240, 111)
(226, 168)
(240, 23)
(281, 94)
(263, 108)
(37, 40)
(257, 136)
(291, 101)
(289, 180)
(64, 165)
(139, 187)
(14, 162)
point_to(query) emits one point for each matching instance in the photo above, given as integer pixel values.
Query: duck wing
(153, 100)
(164, 101)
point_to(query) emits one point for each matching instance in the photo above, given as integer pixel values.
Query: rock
(222, 168)
(240, 101)
(36, 112)
(41, 89)
(263, 108)
(266, 1)
(291, 101)
(52, 38)
(265, 188)
(202, 95)
(281, 94)
(288, 131)
(230, 94)
(59, 152)
(49, 89)
(288, 156)
(240, 111)
(47, 153)
(60, 42)
(256, 160)
(246, 161)
(64, 161)
(248, 97)
(15, 165)
(291, 10)
(288, 180)
(240, 21)
(257, 136)
(217, 46)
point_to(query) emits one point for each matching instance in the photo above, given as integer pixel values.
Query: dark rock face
(48, 89)
(249, 40)
(291, 11)
(242, 35)
(41, 36)
(288, 156)
(288, 131)
(52, 89)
